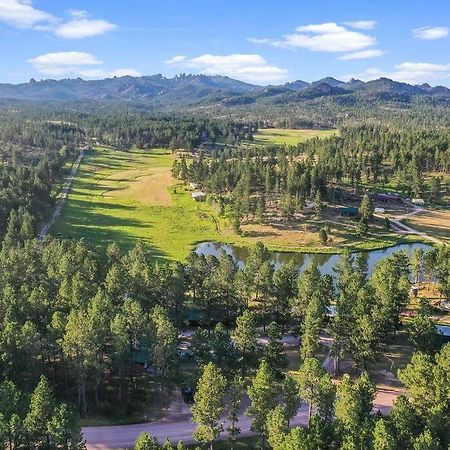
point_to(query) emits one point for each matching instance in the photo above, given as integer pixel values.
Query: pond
(325, 262)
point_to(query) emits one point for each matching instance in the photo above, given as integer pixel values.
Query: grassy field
(288, 137)
(129, 196)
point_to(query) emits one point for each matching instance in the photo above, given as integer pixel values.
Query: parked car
(188, 395)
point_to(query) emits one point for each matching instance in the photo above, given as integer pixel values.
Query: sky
(257, 41)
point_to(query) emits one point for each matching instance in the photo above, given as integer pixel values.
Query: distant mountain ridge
(183, 90)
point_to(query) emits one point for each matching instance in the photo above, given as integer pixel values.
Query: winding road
(63, 196)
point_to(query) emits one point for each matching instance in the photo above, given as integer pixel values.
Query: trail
(63, 196)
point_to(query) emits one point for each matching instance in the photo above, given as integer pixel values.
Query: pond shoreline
(325, 261)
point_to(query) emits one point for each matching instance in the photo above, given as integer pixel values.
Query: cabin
(418, 201)
(143, 360)
(349, 212)
(198, 196)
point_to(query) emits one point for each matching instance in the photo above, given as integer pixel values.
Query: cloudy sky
(259, 41)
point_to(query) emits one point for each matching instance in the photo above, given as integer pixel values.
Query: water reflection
(325, 262)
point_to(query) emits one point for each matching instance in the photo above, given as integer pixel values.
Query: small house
(418, 201)
(198, 196)
(379, 210)
(349, 211)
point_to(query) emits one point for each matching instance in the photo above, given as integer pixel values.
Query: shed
(418, 201)
(349, 211)
(379, 210)
(198, 196)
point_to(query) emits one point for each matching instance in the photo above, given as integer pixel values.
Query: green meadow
(129, 196)
(288, 137)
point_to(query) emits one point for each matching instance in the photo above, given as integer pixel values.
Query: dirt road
(181, 427)
(63, 196)
(400, 227)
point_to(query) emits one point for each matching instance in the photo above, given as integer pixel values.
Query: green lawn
(288, 137)
(98, 212)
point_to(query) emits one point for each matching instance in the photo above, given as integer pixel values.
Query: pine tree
(42, 407)
(235, 394)
(315, 314)
(383, 438)
(426, 441)
(64, 429)
(315, 386)
(145, 442)
(165, 350)
(262, 392)
(323, 236)
(291, 399)
(273, 352)
(406, 422)
(245, 336)
(366, 209)
(209, 404)
(277, 428)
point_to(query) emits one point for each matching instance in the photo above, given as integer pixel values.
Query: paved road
(63, 196)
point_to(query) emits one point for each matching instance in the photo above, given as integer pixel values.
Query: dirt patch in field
(436, 223)
(149, 186)
(286, 234)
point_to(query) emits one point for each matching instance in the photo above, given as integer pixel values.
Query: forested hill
(192, 89)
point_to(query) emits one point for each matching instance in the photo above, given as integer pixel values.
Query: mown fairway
(130, 196)
(288, 137)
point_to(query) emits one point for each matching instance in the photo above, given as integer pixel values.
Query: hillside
(194, 89)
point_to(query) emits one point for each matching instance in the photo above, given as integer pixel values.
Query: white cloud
(431, 33)
(176, 59)
(408, 72)
(75, 64)
(362, 24)
(245, 67)
(81, 26)
(21, 13)
(324, 37)
(363, 54)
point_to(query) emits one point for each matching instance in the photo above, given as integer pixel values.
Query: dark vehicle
(188, 395)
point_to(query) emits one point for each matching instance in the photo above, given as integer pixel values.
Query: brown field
(436, 223)
(148, 186)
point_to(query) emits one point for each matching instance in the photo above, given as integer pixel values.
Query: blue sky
(259, 41)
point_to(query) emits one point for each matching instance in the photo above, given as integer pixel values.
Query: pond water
(325, 262)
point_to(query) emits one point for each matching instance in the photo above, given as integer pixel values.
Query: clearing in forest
(288, 136)
(129, 196)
